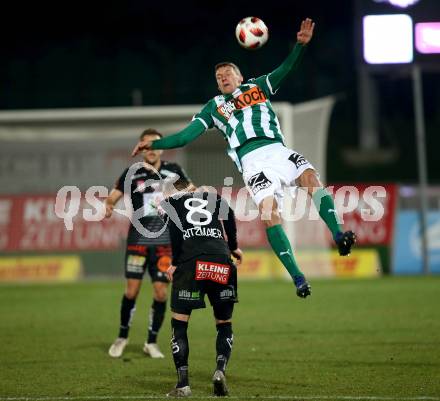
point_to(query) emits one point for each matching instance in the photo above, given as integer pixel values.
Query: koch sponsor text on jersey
(212, 271)
(248, 98)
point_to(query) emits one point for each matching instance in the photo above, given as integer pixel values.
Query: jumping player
(244, 115)
(142, 252)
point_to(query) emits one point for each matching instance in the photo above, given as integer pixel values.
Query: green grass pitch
(363, 339)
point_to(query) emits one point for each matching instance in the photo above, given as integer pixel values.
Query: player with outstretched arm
(244, 115)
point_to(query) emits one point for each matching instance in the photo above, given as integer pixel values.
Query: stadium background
(141, 54)
(91, 55)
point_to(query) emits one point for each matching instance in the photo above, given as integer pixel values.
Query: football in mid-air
(251, 33)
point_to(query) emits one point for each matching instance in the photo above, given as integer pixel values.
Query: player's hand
(141, 145)
(306, 32)
(238, 255)
(108, 210)
(170, 272)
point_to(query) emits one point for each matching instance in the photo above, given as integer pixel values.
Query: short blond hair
(227, 64)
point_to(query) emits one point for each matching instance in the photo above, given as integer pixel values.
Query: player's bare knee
(160, 291)
(269, 212)
(274, 220)
(218, 321)
(271, 218)
(131, 293)
(132, 288)
(309, 179)
(160, 295)
(183, 317)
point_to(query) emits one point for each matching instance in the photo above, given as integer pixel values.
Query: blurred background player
(201, 265)
(244, 114)
(144, 253)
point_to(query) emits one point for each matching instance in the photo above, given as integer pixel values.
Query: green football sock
(326, 207)
(281, 246)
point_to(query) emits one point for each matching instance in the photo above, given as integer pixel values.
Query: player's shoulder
(183, 196)
(210, 196)
(119, 183)
(169, 168)
(124, 174)
(216, 101)
(256, 81)
(251, 82)
(178, 198)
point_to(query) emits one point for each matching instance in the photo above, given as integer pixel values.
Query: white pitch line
(252, 397)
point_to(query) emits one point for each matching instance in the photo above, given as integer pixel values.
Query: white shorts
(267, 170)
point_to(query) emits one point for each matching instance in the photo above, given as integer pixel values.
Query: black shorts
(214, 275)
(156, 259)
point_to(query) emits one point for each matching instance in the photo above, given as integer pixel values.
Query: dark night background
(78, 54)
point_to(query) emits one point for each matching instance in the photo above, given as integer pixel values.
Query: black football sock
(128, 307)
(157, 313)
(182, 377)
(223, 344)
(180, 349)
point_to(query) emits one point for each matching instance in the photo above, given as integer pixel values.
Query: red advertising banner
(29, 223)
(366, 209)
(374, 201)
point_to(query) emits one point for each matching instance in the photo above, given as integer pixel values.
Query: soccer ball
(251, 33)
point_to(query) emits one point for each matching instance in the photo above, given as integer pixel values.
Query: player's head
(173, 187)
(151, 156)
(228, 77)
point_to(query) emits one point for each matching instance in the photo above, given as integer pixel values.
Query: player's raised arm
(305, 34)
(177, 140)
(292, 61)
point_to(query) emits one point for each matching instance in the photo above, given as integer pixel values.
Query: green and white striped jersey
(243, 115)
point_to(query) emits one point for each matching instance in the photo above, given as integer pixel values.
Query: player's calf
(180, 349)
(223, 346)
(157, 314)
